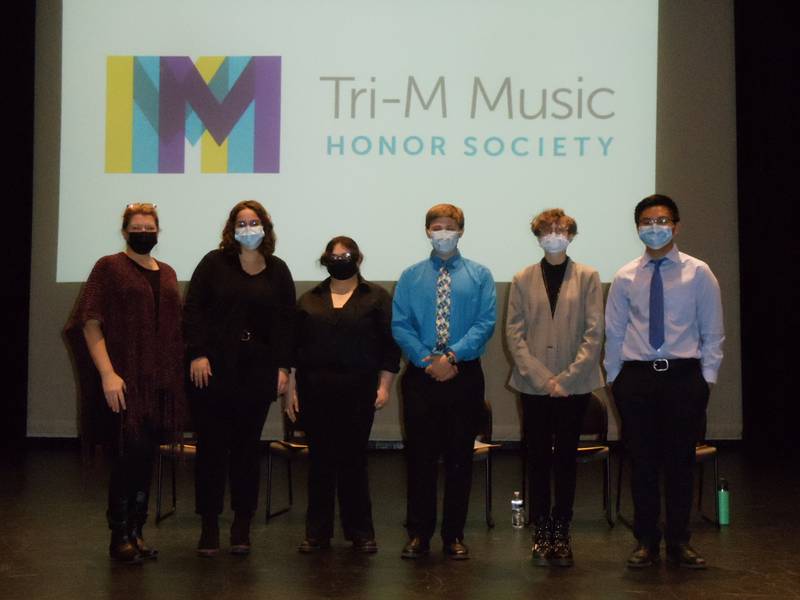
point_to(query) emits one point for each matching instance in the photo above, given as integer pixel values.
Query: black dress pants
(132, 454)
(552, 428)
(441, 419)
(337, 408)
(228, 444)
(662, 415)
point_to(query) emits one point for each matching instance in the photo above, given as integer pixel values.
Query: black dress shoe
(365, 545)
(685, 556)
(415, 548)
(456, 550)
(208, 546)
(642, 557)
(240, 534)
(122, 550)
(311, 545)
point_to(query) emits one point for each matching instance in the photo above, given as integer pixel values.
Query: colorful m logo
(231, 105)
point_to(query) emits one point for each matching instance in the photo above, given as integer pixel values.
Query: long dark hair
(230, 246)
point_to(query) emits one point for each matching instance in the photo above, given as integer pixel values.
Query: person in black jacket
(346, 362)
(238, 328)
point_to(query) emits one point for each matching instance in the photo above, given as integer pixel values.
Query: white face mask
(553, 243)
(249, 237)
(444, 241)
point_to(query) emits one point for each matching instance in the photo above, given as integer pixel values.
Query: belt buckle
(660, 365)
(246, 336)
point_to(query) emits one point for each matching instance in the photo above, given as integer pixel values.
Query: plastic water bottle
(724, 502)
(517, 511)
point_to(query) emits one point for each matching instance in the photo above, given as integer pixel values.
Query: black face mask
(342, 269)
(142, 242)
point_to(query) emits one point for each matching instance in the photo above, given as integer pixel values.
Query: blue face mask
(655, 236)
(444, 241)
(249, 237)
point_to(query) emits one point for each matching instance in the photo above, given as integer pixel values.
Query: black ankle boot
(240, 533)
(209, 536)
(561, 553)
(121, 549)
(136, 521)
(541, 541)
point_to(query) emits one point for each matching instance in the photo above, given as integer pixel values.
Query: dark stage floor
(53, 542)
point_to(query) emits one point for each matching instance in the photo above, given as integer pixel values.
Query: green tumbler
(724, 502)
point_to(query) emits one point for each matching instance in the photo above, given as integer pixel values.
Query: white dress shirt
(692, 314)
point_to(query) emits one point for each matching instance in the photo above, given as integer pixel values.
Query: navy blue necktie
(657, 306)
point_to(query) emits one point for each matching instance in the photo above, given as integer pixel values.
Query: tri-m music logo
(230, 105)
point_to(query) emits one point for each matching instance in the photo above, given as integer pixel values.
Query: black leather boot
(561, 552)
(541, 539)
(240, 533)
(121, 549)
(136, 521)
(208, 545)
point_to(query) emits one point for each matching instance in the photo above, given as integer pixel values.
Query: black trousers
(551, 428)
(662, 416)
(132, 455)
(440, 419)
(337, 408)
(228, 446)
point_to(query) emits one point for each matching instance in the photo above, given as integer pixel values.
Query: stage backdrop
(353, 118)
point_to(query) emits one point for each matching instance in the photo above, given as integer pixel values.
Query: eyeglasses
(250, 223)
(655, 221)
(142, 205)
(340, 257)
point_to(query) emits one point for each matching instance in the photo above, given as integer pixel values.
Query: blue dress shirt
(472, 314)
(692, 314)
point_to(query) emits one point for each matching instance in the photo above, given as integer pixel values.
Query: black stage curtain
(767, 127)
(16, 218)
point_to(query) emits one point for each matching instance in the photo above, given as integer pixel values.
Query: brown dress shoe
(415, 548)
(456, 550)
(642, 557)
(685, 556)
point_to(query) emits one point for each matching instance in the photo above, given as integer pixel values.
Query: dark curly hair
(230, 246)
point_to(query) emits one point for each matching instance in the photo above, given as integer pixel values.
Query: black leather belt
(662, 365)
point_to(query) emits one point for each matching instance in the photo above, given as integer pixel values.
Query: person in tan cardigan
(555, 332)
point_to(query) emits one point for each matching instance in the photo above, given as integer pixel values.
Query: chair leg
(700, 482)
(289, 479)
(489, 519)
(716, 487)
(268, 513)
(159, 485)
(607, 490)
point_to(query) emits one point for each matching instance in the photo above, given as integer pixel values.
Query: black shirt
(357, 336)
(553, 276)
(229, 312)
(154, 279)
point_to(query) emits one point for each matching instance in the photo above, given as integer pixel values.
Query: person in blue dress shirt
(664, 335)
(443, 313)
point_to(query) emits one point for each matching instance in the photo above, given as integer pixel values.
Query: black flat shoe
(240, 535)
(456, 550)
(643, 557)
(685, 556)
(365, 546)
(208, 546)
(311, 545)
(415, 548)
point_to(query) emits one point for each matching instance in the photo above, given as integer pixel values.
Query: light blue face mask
(655, 236)
(249, 237)
(444, 241)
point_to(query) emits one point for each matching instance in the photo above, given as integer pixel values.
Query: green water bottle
(724, 502)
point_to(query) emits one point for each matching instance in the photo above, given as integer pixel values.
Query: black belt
(662, 365)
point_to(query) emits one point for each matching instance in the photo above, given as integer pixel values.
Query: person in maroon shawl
(238, 325)
(125, 334)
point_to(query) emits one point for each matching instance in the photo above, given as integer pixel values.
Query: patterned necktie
(657, 306)
(442, 309)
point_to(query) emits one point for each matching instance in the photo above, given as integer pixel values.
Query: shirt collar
(671, 256)
(451, 263)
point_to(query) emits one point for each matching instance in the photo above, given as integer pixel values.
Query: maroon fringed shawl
(148, 360)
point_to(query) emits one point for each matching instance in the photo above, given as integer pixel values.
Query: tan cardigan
(565, 345)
